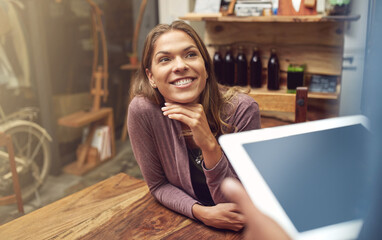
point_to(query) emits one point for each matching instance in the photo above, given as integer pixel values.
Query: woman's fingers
(190, 114)
(192, 111)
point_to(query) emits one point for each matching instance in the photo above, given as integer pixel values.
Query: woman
(177, 114)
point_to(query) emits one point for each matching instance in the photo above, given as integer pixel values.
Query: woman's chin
(183, 100)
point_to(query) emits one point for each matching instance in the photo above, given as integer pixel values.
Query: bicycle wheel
(32, 154)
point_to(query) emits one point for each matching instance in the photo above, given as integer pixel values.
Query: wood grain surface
(120, 207)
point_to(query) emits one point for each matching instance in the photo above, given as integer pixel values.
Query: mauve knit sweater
(161, 152)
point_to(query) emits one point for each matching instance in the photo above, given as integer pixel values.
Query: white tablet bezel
(258, 190)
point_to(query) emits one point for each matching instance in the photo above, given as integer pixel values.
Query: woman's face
(177, 68)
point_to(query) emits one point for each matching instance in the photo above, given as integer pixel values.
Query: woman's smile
(183, 82)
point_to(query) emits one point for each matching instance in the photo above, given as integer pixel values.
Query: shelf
(309, 18)
(87, 156)
(283, 91)
(82, 118)
(130, 66)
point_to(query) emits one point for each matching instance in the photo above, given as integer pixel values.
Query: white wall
(170, 10)
(352, 74)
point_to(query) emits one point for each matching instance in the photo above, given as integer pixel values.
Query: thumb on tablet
(235, 192)
(258, 225)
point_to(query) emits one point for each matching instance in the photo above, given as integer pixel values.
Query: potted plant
(133, 58)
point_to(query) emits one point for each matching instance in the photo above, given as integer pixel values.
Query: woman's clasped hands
(222, 215)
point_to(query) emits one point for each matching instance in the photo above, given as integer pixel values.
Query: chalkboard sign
(323, 83)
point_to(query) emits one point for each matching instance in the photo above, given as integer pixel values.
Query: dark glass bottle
(241, 68)
(273, 71)
(218, 66)
(256, 68)
(229, 68)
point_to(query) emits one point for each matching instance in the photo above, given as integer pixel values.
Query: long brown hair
(211, 97)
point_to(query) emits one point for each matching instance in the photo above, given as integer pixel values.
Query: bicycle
(32, 152)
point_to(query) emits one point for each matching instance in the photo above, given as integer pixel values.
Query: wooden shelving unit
(86, 160)
(316, 41)
(314, 18)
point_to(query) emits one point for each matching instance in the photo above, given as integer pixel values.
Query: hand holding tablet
(258, 225)
(310, 178)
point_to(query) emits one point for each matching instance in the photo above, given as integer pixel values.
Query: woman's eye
(164, 59)
(191, 54)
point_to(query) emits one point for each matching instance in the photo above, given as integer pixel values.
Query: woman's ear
(150, 77)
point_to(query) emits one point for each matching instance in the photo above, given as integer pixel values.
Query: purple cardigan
(161, 152)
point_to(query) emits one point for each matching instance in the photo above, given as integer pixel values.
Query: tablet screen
(318, 177)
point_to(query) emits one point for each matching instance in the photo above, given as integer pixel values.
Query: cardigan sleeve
(246, 117)
(141, 134)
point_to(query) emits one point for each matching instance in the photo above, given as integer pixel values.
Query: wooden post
(6, 140)
(84, 148)
(97, 91)
(301, 104)
(16, 184)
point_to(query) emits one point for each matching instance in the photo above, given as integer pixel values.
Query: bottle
(256, 67)
(241, 68)
(229, 68)
(273, 71)
(218, 66)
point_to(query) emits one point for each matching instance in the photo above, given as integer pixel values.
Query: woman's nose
(180, 64)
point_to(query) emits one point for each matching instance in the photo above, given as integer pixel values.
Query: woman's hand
(223, 216)
(194, 117)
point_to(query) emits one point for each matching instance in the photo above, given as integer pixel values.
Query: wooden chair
(6, 141)
(283, 102)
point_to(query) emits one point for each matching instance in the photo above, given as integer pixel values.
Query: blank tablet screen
(319, 177)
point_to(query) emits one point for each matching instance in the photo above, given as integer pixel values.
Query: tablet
(309, 177)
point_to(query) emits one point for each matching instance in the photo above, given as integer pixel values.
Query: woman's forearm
(212, 154)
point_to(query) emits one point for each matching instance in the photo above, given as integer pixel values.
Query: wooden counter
(120, 207)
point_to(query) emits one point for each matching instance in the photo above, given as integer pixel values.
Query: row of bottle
(226, 74)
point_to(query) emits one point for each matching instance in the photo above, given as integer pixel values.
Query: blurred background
(47, 73)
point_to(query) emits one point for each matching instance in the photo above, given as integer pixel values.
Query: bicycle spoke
(21, 152)
(18, 149)
(41, 139)
(36, 173)
(29, 143)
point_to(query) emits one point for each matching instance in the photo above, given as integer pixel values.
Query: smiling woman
(177, 113)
